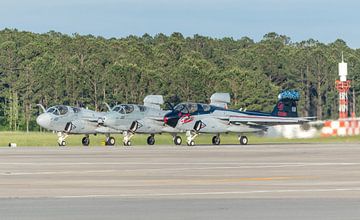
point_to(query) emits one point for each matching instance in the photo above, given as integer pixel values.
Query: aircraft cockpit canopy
(123, 109)
(192, 108)
(186, 108)
(58, 110)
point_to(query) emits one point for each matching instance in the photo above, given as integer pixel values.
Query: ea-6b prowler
(125, 119)
(129, 119)
(67, 120)
(196, 118)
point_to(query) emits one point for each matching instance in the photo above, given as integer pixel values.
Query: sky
(323, 20)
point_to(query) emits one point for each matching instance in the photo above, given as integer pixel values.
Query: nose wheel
(127, 137)
(62, 144)
(61, 139)
(190, 143)
(190, 137)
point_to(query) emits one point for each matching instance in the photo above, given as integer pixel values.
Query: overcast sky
(323, 20)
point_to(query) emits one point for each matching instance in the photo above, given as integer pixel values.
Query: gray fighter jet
(129, 119)
(196, 118)
(67, 120)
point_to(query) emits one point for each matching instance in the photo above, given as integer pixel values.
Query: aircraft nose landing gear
(61, 139)
(190, 136)
(127, 137)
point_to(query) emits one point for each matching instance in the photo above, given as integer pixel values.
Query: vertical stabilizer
(220, 99)
(154, 101)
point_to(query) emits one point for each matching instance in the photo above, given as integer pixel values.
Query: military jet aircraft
(196, 118)
(148, 119)
(67, 120)
(125, 119)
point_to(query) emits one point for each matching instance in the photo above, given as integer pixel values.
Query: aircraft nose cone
(43, 120)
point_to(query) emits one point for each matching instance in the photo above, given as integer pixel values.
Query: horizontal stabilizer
(154, 101)
(220, 99)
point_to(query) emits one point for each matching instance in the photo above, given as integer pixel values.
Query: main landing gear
(177, 140)
(110, 141)
(85, 140)
(243, 140)
(151, 139)
(216, 140)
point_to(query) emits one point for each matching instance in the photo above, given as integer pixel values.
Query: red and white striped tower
(343, 86)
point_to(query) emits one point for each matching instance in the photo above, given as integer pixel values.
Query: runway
(278, 181)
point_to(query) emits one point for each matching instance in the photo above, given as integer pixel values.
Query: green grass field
(50, 139)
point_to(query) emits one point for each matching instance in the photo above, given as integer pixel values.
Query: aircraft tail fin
(220, 99)
(286, 105)
(154, 101)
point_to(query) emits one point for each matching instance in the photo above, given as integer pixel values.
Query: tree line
(55, 68)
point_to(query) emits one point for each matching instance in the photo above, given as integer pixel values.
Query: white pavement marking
(211, 193)
(200, 163)
(9, 173)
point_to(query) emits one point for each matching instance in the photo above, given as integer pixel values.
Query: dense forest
(56, 68)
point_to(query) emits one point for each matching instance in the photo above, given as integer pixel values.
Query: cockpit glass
(119, 108)
(206, 108)
(58, 110)
(181, 108)
(192, 107)
(128, 108)
(50, 110)
(76, 110)
(62, 109)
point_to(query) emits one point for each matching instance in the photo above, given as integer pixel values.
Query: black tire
(128, 143)
(62, 144)
(216, 140)
(244, 140)
(110, 141)
(191, 143)
(151, 140)
(177, 140)
(85, 141)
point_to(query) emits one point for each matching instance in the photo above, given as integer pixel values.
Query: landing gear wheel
(191, 143)
(151, 140)
(110, 141)
(216, 140)
(128, 143)
(62, 144)
(177, 140)
(244, 140)
(85, 141)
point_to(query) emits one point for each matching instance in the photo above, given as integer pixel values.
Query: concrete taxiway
(293, 181)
